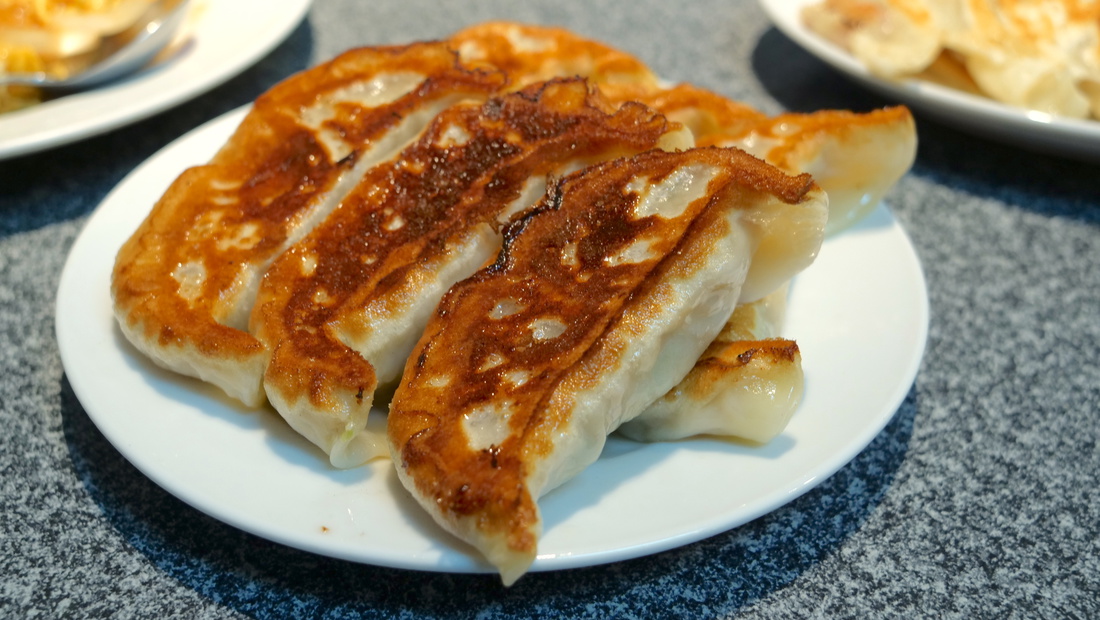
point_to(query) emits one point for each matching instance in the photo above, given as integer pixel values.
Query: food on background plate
(301, 264)
(855, 157)
(1041, 55)
(601, 301)
(51, 36)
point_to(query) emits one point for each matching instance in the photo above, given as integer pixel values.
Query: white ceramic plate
(221, 38)
(860, 315)
(978, 115)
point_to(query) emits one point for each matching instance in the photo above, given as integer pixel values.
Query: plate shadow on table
(1044, 183)
(259, 578)
(69, 181)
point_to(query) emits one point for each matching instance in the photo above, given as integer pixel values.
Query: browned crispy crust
(590, 210)
(437, 192)
(272, 172)
(723, 358)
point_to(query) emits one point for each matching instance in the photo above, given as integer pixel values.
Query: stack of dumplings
(526, 237)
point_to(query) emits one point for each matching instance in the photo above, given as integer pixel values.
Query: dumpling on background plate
(1042, 55)
(855, 157)
(341, 310)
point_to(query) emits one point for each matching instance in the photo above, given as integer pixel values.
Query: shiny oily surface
(866, 322)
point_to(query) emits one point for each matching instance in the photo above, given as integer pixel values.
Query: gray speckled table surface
(978, 499)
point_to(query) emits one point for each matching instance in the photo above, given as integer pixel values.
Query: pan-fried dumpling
(746, 385)
(602, 299)
(184, 283)
(342, 309)
(855, 157)
(893, 39)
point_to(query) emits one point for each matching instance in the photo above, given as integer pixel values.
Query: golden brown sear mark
(338, 303)
(489, 399)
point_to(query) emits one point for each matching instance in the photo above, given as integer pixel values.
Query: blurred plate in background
(219, 40)
(970, 113)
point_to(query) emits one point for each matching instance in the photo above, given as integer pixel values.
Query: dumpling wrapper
(892, 38)
(746, 385)
(741, 387)
(342, 309)
(855, 157)
(601, 300)
(185, 282)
